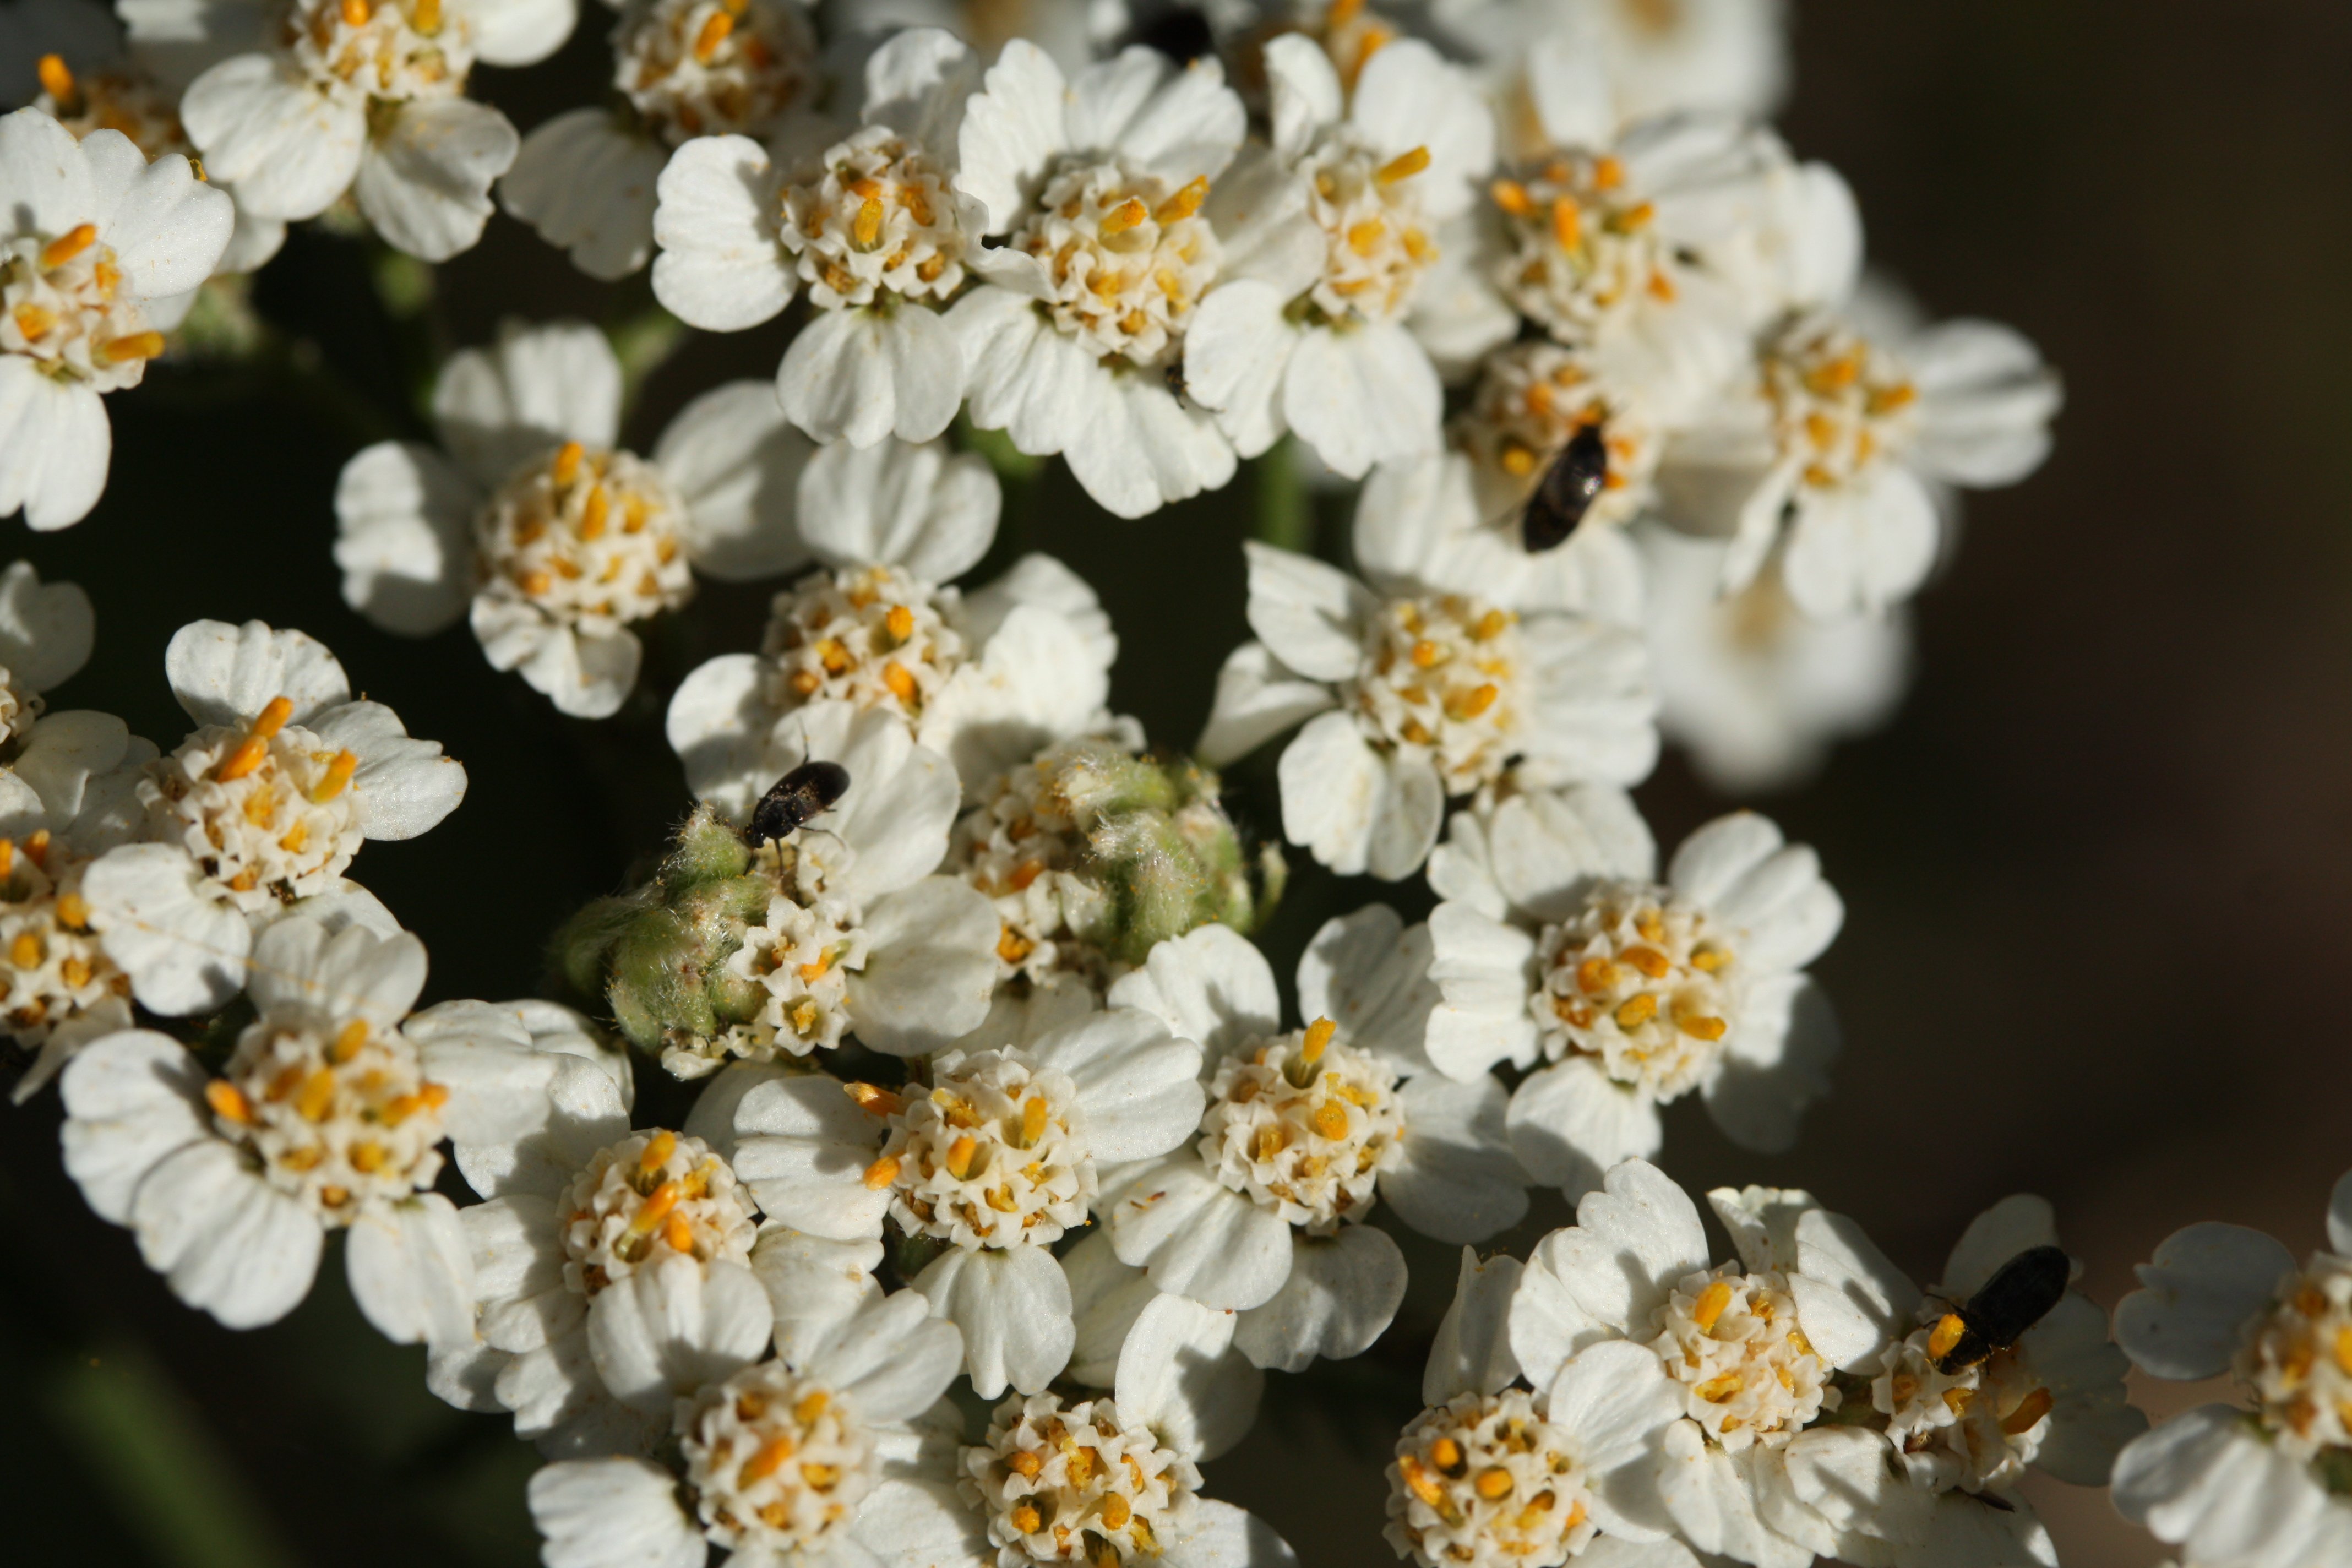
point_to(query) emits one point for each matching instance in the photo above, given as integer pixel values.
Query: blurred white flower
(97, 247)
(2257, 1488)
(1647, 56)
(552, 540)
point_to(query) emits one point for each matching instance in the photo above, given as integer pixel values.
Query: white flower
(256, 813)
(1414, 699)
(1660, 247)
(681, 68)
(1303, 1132)
(2246, 1489)
(363, 96)
(96, 79)
(1331, 236)
(1494, 1474)
(795, 1459)
(995, 1153)
(1096, 184)
(578, 1204)
(323, 1120)
(553, 540)
(1106, 1480)
(1557, 944)
(985, 679)
(91, 234)
(1832, 464)
(1752, 686)
(1649, 56)
(870, 226)
(858, 934)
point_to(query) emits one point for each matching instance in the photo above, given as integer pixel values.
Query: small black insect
(2019, 1295)
(1566, 491)
(806, 792)
(1174, 376)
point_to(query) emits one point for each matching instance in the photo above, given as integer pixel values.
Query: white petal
(425, 185)
(520, 32)
(1011, 132)
(1013, 1307)
(404, 521)
(587, 185)
(923, 509)
(184, 952)
(1631, 1242)
(1481, 964)
(348, 973)
(132, 1098)
(1177, 1374)
(803, 1146)
(1458, 1180)
(168, 228)
(1986, 401)
(537, 388)
(1038, 386)
(894, 1358)
(1862, 545)
(1354, 809)
(1212, 985)
(1617, 1400)
(1472, 1352)
(2017, 1221)
(1135, 445)
(2199, 1293)
(1368, 394)
(720, 268)
(672, 1326)
(1305, 91)
(930, 971)
(227, 675)
(862, 375)
(1548, 1324)
(1413, 98)
(613, 1514)
(815, 1286)
(1213, 1534)
(737, 465)
(1549, 845)
(412, 1271)
(1256, 700)
(55, 445)
(1709, 1501)
(1570, 1122)
(46, 629)
(1178, 122)
(1310, 614)
(922, 1524)
(287, 149)
(1851, 1302)
(402, 786)
(1368, 973)
(1775, 1065)
(2339, 1216)
(1197, 1239)
(1137, 1085)
(58, 759)
(1106, 1298)
(1342, 1293)
(1236, 348)
(229, 1242)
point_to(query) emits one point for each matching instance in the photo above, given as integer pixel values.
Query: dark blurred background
(2095, 871)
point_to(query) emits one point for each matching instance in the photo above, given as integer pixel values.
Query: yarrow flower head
(1303, 1132)
(1751, 687)
(992, 1156)
(1644, 57)
(367, 97)
(1412, 699)
(1495, 1472)
(1097, 184)
(552, 540)
(868, 221)
(681, 69)
(95, 247)
(1335, 296)
(2222, 1298)
(1832, 464)
(322, 1118)
(1557, 944)
(983, 677)
(793, 1458)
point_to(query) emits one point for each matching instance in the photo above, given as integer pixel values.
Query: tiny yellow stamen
(426, 16)
(566, 467)
(130, 346)
(1127, 214)
(657, 1150)
(227, 1103)
(312, 1101)
(1330, 1120)
(1702, 1026)
(24, 952)
(1512, 197)
(1033, 1122)
(348, 1042)
(1365, 238)
(1492, 1483)
(1027, 1520)
(1717, 1390)
(872, 1098)
(1608, 173)
(1185, 202)
(1403, 166)
(1318, 1038)
(1948, 1329)
(35, 321)
(1709, 1308)
(866, 228)
(57, 81)
(714, 32)
(902, 684)
(1636, 1011)
(1446, 1455)
(881, 1173)
(339, 769)
(1473, 703)
(677, 1232)
(2028, 1411)
(1422, 1484)
(767, 1461)
(68, 245)
(959, 1154)
(1115, 1511)
(656, 1209)
(1567, 223)
(899, 623)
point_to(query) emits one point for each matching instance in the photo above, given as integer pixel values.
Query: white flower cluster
(988, 1077)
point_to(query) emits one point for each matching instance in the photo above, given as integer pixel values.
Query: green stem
(1285, 512)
